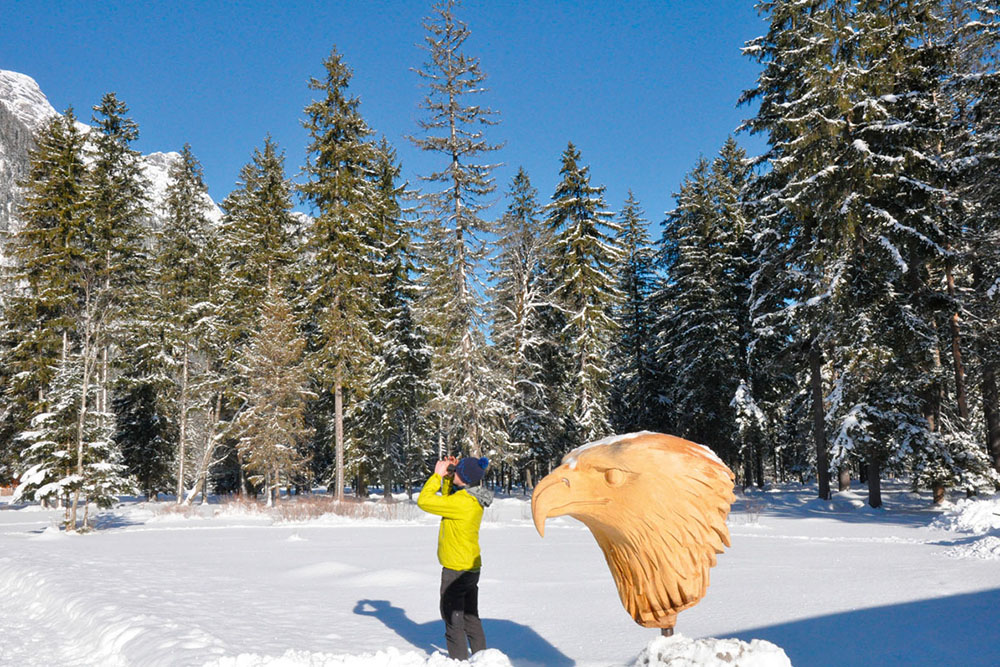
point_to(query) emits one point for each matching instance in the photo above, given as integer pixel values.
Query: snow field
(820, 583)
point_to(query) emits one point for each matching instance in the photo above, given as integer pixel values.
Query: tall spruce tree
(582, 289)
(271, 427)
(634, 394)
(257, 244)
(258, 236)
(184, 319)
(859, 209)
(516, 326)
(454, 236)
(801, 93)
(39, 309)
(339, 243)
(392, 415)
(704, 319)
(974, 95)
(117, 203)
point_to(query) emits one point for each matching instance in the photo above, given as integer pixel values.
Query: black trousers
(460, 611)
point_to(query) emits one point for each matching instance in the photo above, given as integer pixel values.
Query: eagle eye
(614, 476)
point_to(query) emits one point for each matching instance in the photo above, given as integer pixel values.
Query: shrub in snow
(679, 651)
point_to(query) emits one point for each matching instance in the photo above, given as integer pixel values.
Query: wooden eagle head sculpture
(657, 506)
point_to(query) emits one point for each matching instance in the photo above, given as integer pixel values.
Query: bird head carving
(657, 506)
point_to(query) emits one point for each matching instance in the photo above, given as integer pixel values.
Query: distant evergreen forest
(825, 312)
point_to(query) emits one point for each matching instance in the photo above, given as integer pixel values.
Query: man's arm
(443, 505)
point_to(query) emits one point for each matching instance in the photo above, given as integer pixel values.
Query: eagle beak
(549, 495)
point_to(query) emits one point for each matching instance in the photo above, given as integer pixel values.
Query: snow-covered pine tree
(271, 427)
(974, 94)
(257, 243)
(580, 266)
(392, 416)
(453, 238)
(69, 450)
(634, 392)
(857, 212)
(63, 277)
(185, 277)
(341, 285)
(118, 206)
(704, 323)
(516, 328)
(801, 91)
(48, 444)
(40, 293)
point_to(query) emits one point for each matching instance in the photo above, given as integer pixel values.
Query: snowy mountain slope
(23, 110)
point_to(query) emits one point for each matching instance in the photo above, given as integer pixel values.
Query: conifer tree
(454, 236)
(580, 267)
(258, 241)
(40, 307)
(517, 331)
(634, 395)
(392, 415)
(859, 212)
(185, 313)
(974, 94)
(339, 242)
(117, 203)
(258, 237)
(798, 250)
(49, 443)
(271, 427)
(704, 321)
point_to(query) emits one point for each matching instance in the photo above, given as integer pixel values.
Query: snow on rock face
(23, 98)
(156, 168)
(23, 110)
(679, 651)
(390, 657)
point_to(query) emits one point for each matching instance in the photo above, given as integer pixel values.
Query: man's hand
(441, 467)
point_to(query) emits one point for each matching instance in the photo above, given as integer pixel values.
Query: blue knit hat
(472, 470)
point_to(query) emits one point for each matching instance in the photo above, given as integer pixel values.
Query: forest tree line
(825, 310)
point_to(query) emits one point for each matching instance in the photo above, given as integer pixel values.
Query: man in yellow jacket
(460, 506)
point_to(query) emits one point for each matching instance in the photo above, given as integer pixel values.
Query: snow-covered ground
(829, 583)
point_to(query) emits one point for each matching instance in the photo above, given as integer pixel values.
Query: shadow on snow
(520, 643)
(954, 630)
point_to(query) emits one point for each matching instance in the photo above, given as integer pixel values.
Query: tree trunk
(338, 420)
(747, 467)
(990, 412)
(956, 353)
(819, 420)
(81, 424)
(182, 431)
(932, 407)
(874, 484)
(758, 459)
(844, 478)
(201, 475)
(387, 472)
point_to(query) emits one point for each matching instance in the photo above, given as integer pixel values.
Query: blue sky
(641, 88)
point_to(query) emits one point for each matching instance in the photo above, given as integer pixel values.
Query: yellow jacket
(461, 514)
